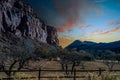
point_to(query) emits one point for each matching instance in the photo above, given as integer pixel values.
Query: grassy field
(89, 65)
(50, 65)
(89, 76)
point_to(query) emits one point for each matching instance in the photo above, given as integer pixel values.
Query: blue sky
(86, 20)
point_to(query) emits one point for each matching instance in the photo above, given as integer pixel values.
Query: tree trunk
(62, 66)
(73, 66)
(66, 69)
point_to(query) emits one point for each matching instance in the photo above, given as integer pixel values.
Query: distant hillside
(87, 45)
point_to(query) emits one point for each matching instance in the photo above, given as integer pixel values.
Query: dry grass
(105, 76)
(89, 76)
(87, 65)
(18, 76)
(49, 66)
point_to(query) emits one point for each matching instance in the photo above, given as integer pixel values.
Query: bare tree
(70, 58)
(14, 61)
(118, 58)
(14, 57)
(109, 59)
(73, 58)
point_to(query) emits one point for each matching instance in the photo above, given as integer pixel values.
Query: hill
(88, 45)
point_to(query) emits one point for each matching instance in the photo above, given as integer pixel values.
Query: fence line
(74, 73)
(61, 70)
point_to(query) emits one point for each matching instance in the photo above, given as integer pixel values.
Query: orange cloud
(102, 32)
(72, 12)
(96, 32)
(111, 31)
(66, 26)
(69, 11)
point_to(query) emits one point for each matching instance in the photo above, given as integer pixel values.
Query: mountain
(21, 28)
(17, 20)
(87, 45)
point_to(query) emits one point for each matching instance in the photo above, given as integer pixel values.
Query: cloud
(96, 32)
(74, 12)
(98, 1)
(68, 10)
(103, 32)
(65, 27)
(64, 14)
(113, 23)
(85, 26)
(111, 31)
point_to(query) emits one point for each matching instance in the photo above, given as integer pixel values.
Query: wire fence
(40, 76)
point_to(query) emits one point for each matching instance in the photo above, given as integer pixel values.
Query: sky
(85, 20)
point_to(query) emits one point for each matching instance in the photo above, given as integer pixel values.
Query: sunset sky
(85, 20)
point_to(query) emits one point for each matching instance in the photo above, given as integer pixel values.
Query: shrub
(18, 76)
(104, 76)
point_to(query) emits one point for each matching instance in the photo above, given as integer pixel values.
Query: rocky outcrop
(52, 36)
(18, 18)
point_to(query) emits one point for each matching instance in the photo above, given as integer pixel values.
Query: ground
(54, 65)
(89, 65)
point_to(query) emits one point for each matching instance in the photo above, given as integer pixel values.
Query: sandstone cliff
(18, 20)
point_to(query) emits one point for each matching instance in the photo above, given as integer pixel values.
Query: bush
(42, 52)
(104, 76)
(19, 76)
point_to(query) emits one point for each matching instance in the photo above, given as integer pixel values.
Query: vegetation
(14, 58)
(109, 59)
(105, 76)
(42, 52)
(46, 53)
(88, 76)
(73, 58)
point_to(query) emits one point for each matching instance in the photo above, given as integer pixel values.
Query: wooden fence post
(74, 74)
(39, 74)
(9, 75)
(66, 69)
(100, 71)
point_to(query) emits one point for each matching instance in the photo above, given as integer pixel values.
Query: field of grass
(94, 65)
(89, 76)
(89, 65)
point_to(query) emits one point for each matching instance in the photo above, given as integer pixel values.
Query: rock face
(52, 36)
(18, 18)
